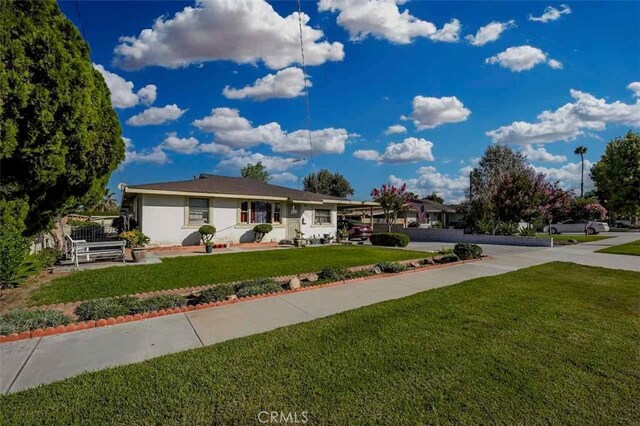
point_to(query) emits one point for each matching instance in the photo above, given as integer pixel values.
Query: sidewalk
(28, 363)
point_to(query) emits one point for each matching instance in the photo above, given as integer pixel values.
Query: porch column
(371, 216)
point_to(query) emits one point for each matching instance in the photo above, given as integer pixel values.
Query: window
(198, 211)
(244, 212)
(276, 212)
(260, 212)
(322, 217)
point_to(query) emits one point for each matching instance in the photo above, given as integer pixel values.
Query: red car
(357, 230)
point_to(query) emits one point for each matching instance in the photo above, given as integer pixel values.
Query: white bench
(97, 250)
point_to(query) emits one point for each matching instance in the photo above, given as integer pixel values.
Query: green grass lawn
(556, 343)
(188, 271)
(581, 238)
(632, 248)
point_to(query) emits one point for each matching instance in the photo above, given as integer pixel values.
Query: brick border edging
(85, 325)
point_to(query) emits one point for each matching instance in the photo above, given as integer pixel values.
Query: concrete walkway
(28, 363)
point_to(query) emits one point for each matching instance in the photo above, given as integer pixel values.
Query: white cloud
(449, 33)
(122, 94)
(284, 177)
(551, 14)
(285, 84)
(542, 155)
(522, 58)
(432, 112)
(395, 129)
(569, 174)
(382, 19)
(586, 113)
(245, 32)
(428, 180)
(635, 87)
(233, 130)
(367, 154)
(182, 145)
(490, 32)
(410, 150)
(153, 156)
(273, 164)
(155, 115)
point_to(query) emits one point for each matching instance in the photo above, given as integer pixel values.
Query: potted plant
(261, 230)
(343, 235)
(206, 234)
(299, 240)
(137, 241)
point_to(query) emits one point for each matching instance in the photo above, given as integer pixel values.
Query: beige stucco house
(170, 213)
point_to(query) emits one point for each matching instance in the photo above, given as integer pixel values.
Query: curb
(103, 322)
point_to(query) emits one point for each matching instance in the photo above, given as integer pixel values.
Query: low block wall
(458, 236)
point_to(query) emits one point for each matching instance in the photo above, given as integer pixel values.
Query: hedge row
(389, 239)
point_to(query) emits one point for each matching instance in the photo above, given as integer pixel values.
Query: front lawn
(581, 238)
(556, 343)
(632, 248)
(179, 272)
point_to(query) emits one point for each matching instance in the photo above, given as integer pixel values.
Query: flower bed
(117, 310)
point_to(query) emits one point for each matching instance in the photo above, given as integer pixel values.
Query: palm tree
(581, 151)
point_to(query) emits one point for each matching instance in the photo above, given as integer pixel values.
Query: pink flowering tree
(586, 210)
(556, 203)
(392, 199)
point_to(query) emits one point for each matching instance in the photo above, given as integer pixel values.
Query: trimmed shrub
(206, 233)
(467, 251)
(255, 287)
(449, 258)
(261, 230)
(390, 239)
(23, 320)
(215, 294)
(105, 308)
(391, 267)
(48, 256)
(165, 301)
(335, 273)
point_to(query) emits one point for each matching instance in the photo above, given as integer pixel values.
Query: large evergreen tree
(327, 183)
(59, 136)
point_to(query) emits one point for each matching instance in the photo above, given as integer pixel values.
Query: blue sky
(457, 76)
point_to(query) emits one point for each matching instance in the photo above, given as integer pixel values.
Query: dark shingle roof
(215, 184)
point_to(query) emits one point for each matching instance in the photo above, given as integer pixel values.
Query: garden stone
(376, 270)
(232, 297)
(294, 283)
(414, 264)
(573, 241)
(312, 278)
(428, 262)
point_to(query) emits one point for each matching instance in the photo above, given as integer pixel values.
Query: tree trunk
(582, 177)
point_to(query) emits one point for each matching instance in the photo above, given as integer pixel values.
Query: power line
(306, 94)
(84, 33)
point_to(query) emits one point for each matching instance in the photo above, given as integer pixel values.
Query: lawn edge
(85, 325)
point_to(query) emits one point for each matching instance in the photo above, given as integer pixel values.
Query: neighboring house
(170, 213)
(426, 212)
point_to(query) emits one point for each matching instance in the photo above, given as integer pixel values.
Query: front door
(293, 221)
